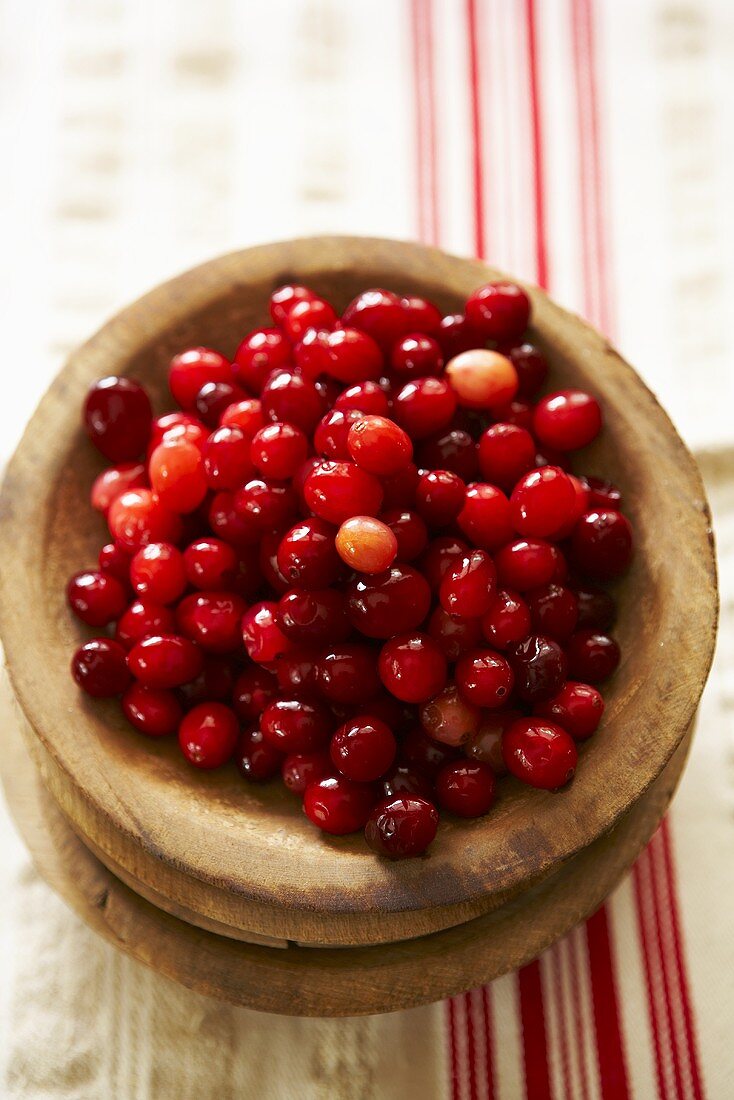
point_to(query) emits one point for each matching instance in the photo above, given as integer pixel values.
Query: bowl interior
(254, 839)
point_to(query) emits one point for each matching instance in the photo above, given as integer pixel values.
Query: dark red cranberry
(255, 758)
(213, 620)
(259, 354)
(232, 526)
(417, 356)
(500, 311)
(412, 667)
(539, 753)
(592, 656)
(300, 769)
(567, 420)
(264, 505)
(214, 397)
(531, 366)
(208, 735)
(402, 779)
(484, 678)
(363, 748)
(554, 611)
(347, 355)
(410, 531)
(100, 668)
(263, 638)
(336, 491)
(486, 744)
(392, 602)
(601, 494)
(449, 718)
(297, 670)
(380, 314)
(210, 564)
(314, 617)
(539, 665)
(469, 585)
(602, 544)
(485, 517)
(457, 334)
(519, 413)
(96, 598)
(401, 827)
(254, 688)
(577, 708)
(296, 723)
(596, 608)
(277, 450)
(152, 711)
(526, 563)
(507, 621)
(420, 315)
(117, 416)
(424, 406)
(337, 805)
(348, 674)
(332, 432)
(288, 397)
(115, 562)
(466, 788)
(141, 619)
(454, 635)
(439, 556)
(506, 452)
(439, 497)
(307, 556)
(214, 684)
(453, 450)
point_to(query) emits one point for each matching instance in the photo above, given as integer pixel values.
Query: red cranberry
(363, 748)
(157, 572)
(466, 788)
(539, 753)
(596, 608)
(482, 379)
(401, 827)
(314, 617)
(567, 420)
(507, 621)
(486, 744)
(213, 398)
(259, 354)
(138, 517)
(193, 369)
(278, 450)
(231, 526)
(484, 678)
(297, 670)
(449, 718)
(210, 564)
(420, 315)
(439, 556)
(411, 533)
(453, 450)
(337, 805)
(264, 640)
(412, 667)
(601, 494)
(165, 660)
(332, 433)
(265, 505)
(307, 555)
(208, 735)
(288, 397)
(424, 406)
(115, 562)
(542, 502)
(499, 311)
(531, 366)
(526, 563)
(284, 298)
(554, 611)
(347, 355)
(506, 452)
(380, 314)
(296, 724)
(485, 517)
(188, 430)
(212, 619)
(577, 708)
(453, 635)
(177, 475)
(117, 416)
(300, 769)
(602, 544)
(519, 413)
(539, 665)
(142, 619)
(592, 656)
(246, 415)
(469, 585)
(379, 446)
(336, 491)
(99, 667)
(305, 315)
(402, 779)
(96, 598)
(256, 759)
(457, 334)
(417, 356)
(439, 497)
(395, 601)
(152, 711)
(366, 545)
(226, 455)
(366, 397)
(254, 688)
(114, 481)
(348, 674)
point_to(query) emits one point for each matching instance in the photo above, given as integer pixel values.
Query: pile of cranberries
(355, 557)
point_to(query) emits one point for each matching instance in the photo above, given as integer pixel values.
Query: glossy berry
(424, 406)
(380, 314)
(142, 619)
(363, 748)
(454, 635)
(507, 621)
(285, 297)
(277, 450)
(539, 665)
(526, 563)
(567, 420)
(539, 753)
(485, 517)
(246, 415)
(554, 611)
(506, 452)
(346, 354)
(394, 601)
(300, 769)
(297, 670)
(486, 744)
(96, 598)
(208, 735)
(288, 397)
(601, 493)
(366, 545)
(235, 526)
(439, 555)
(336, 491)
(332, 433)
(226, 456)
(577, 707)
(265, 505)
(212, 620)
(420, 315)
(417, 356)
(499, 311)
(337, 805)
(157, 572)
(439, 497)
(401, 826)
(256, 760)
(449, 718)
(412, 667)
(177, 474)
(260, 353)
(263, 638)
(542, 502)
(592, 656)
(138, 517)
(305, 315)
(214, 398)
(307, 555)
(117, 416)
(457, 334)
(602, 544)
(366, 397)
(211, 564)
(253, 689)
(99, 667)
(530, 364)
(482, 379)
(348, 674)
(469, 585)
(193, 369)
(114, 481)
(115, 562)
(152, 711)
(410, 531)
(296, 724)
(379, 446)
(466, 788)
(314, 617)
(484, 678)
(165, 660)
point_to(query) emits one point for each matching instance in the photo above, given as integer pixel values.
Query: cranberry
(531, 366)
(278, 450)
(284, 298)
(507, 621)
(420, 315)
(466, 788)
(596, 608)
(567, 420)
(226, 458)
(117, 416)
(417, 356)
(115, 562)
(577, 707)
(438, 557)
(172, 422)
(96, 598)
(453, 450)
(193, 369)
(424, 406)
(157, 572)
(246, 415)
(439, 497)
(297, 670)
(601, 493)
(526, 563)
(379, 446)
(380, 314)
(542, 502)
(401, 827)
(296, 724)
(539, 665)
(410, 531)
(366, 544)
(348, 674)
(363, 748)
(300, 769)
(399, 490)
(482, 379)
(457, 334)
(178, 476)
(554, 611)
(592, 656)
(165, 660)
(395, 601)
(519, 413)
(214, 398)
(366, 397)
(602, 544)
(500, 311)
(412, 667)
(417, 750)
(506, 452)
(138, 517)
(336, 491)
(255, 758)
(314, 617)
(453, 635)
(208, 735)
(484, 678)
(346, 354)
(100, 668)
(260, 353)
(539, 753)
(152, 711)
(210, 564)
(288, 397)
(469, 585)
(142, 619)
(402, 779)
(449, 718)
(265, 505)
(213, 620)
(254, 688)
(264, 640)
(307, 554)
(111, 483)
(485, 517)
(306, 314)
(486, 744)
(337, 805)
(332, 433)
(230, 525)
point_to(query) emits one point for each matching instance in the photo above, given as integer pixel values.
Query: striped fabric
(581, 144)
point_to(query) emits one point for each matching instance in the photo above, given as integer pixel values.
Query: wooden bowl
(240, 859)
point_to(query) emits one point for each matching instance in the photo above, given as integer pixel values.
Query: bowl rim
(571, 821)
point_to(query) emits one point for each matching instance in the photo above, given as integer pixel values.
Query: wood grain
(244, 856)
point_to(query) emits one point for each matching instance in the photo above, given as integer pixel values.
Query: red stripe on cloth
(541, 248)
(557, 965)
(454, 1068)
(651, 975)
(573, 942)
(535, 1045)
(471, 1046)
(610, 1049)
(488, 1043)
(662, 959)
(477, 160)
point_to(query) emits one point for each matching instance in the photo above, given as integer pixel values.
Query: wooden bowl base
(309, 981)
